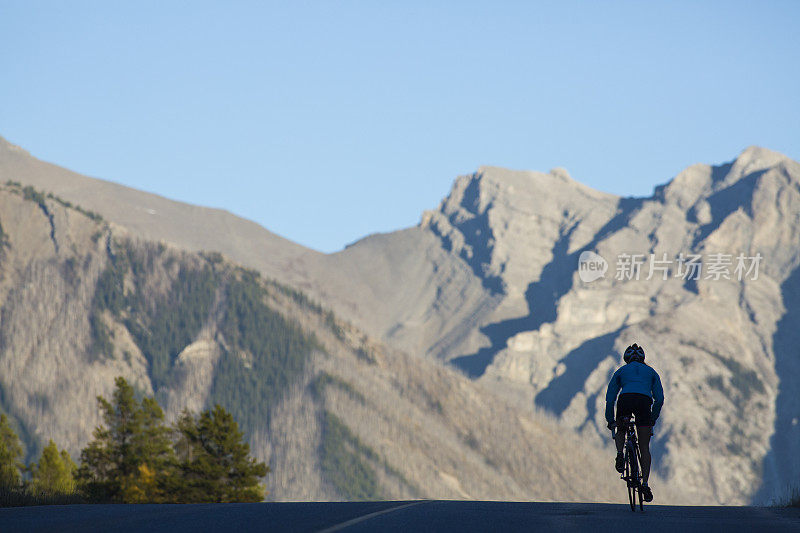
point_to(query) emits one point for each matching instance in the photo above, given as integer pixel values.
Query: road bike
(633, 459)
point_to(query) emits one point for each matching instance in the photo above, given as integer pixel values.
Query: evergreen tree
(54, 474)
(135, 458)
(130, 458)
(215, 462)
(10, 453)
(153, 479)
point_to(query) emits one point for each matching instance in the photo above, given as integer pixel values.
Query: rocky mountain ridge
(719, 345)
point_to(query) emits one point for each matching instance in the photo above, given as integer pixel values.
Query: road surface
(426, 515)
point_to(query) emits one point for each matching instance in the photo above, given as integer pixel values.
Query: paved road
(461, 516)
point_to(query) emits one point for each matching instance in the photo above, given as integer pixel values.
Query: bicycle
(633, 458)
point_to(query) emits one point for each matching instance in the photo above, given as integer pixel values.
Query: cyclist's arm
(658, 397)
(611, 397)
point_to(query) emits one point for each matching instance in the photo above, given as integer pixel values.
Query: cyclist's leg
(619, 440)
(643, 426)
(623, 410)
(644, 447)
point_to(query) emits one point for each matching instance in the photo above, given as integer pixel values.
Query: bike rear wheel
(641, 497)
(630, 479)
(636, 475)
(641, 500)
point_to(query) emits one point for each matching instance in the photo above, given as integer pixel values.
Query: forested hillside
(335, 414)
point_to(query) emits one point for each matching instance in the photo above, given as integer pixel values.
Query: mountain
(536, 333)
(723, 347)
(488, 285)
(336, 414)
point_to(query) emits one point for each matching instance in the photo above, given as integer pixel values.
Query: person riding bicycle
(640, 387)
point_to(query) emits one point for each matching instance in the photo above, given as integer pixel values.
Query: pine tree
(54, 474)
(130, 458)
(215, 461)
(10, 453)
(135, 458)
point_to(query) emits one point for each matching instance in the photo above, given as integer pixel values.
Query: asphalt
(425, 515)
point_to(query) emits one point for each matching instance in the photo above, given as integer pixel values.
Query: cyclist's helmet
(634, 352)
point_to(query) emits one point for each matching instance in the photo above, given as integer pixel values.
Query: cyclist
(641, 387)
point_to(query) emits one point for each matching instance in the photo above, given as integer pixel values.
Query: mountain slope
(336, 414)
(153, 217)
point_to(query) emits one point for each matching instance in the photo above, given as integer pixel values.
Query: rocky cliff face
(489, 283)
(723, 343)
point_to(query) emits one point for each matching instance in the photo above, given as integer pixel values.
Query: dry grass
(25, 498)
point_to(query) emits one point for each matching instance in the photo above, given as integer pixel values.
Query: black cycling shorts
(638, 405)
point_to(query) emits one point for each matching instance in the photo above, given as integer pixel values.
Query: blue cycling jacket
(635, 377)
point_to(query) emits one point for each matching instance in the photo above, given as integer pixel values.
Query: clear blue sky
(327, 121)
